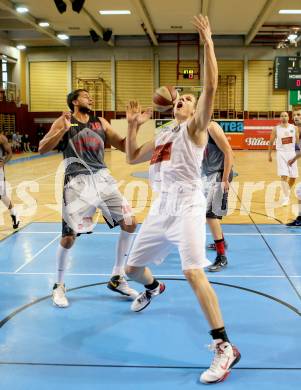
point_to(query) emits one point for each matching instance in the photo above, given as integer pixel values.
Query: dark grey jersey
(213, 158)
(83, 147)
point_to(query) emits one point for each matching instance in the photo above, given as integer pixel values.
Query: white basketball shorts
(161, 231)
(283, 169)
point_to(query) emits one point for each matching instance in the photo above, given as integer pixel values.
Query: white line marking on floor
(157, 276)
(208, 234)
(37, 254)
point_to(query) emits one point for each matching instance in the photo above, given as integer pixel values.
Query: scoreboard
(287, 73)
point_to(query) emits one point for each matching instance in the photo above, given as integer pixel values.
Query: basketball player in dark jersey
(217, 174)
(5, 156)
(88, 186)
(297, 123)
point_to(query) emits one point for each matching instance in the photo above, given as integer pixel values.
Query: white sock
(123, 248)
(13, 211)
(62, 256)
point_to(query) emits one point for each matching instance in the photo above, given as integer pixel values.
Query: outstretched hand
(202, 25)
(66, 120)
(134, 114)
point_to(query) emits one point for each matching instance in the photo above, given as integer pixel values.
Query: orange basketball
(164, 98)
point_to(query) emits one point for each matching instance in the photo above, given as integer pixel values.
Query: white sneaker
(59, 295)
(144, 298)
(226, 356)
(285, 201)
(119, 284)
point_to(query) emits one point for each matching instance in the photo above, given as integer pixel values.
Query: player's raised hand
(66, 119)
(134, 115)
(202, 25)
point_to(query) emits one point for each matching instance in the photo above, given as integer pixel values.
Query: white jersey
(285, 138)
(176, 160)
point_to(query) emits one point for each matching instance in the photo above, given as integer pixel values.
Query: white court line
(159, 275)
(37, 254)
(208, 234)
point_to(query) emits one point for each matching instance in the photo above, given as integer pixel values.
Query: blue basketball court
(99, 343)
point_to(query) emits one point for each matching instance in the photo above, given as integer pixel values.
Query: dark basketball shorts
(217, 200)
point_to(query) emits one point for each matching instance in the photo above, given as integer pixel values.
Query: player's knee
(130, 270)
(67, 241)
(194, 276)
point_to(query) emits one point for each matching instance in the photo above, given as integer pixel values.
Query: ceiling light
(115, 12)
(290, 11)
(61, 6)
(63, 37)
(22, 9)
(77, 5)
(43, 24)
(21, 47)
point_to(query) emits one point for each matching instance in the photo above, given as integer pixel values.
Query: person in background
(217, 174)
(26, 143)
(286, 136)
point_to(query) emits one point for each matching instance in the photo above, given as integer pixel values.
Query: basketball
(164, 98)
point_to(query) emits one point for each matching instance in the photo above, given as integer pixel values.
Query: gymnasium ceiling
(251, 22)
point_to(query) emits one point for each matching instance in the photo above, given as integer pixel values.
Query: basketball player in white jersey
(88, 186)
(5, 156)
(297, 122)
(178, 216)
(286, 136)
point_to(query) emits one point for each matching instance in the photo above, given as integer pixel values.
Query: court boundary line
(207, 234)
(270, 249)
(37, 254)
(155, 275)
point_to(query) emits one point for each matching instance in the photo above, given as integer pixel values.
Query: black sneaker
(16, 221)
(212, 246)
(120, 285)
(296, 222)
(220, 262)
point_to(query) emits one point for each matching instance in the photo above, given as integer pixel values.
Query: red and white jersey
(176, 160)
(285, 138)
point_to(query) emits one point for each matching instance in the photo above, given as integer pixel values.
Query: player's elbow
(130, 160)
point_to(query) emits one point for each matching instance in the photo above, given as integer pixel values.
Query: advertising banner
(257, 133)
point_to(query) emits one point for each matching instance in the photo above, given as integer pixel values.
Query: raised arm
(137, 154)
(272, 139)
(204, 108)
(222, 142)
(57, 131)
(7, 149)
